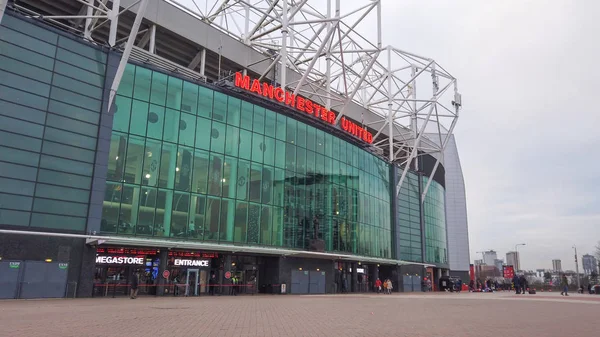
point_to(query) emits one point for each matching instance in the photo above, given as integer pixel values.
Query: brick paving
(430, 315)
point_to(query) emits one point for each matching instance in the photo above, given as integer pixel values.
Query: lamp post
(577, 268)
(517, 252)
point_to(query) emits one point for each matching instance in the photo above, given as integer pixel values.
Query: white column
(87, 32)
(284, 35)
(113, 16)
(152, 46)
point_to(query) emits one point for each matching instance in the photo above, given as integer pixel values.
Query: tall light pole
(517, 253)
(577, 267)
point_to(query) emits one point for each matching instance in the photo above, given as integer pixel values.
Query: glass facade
(50, 101)
(435, 224)
(189, 162)
(409, 236)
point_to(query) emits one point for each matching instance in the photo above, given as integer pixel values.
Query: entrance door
(317, 282)
(191, 284)
(44, 280)
(9, 278)
(300, 282)
(408, 283)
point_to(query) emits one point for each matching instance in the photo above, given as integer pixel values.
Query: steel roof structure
(318, 49)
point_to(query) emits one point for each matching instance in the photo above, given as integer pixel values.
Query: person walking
(390, 286)
(565, 285)
(516, 284)
(523, 283)
(378, 285)
(135, 280)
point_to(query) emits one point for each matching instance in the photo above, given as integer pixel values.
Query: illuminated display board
(300, 103)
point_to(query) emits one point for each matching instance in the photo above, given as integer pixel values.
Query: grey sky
(528, 133)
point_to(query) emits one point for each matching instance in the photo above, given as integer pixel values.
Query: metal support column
(3, 4)
(284, 35)
(113, 16)
(152, 46)
(125, 57)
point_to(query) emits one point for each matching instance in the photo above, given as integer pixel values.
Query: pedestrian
(135, 279)
(565, 285)
(212, 284)
(378, 285)
(390, 286)
(523, 282)
(516, 284)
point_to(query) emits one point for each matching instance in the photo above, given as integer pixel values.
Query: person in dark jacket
(135, 280)
(564, 282)
(516, 284)
(523, 282)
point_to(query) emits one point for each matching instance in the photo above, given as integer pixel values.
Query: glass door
(191, 286)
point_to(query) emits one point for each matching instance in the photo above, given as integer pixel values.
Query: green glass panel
(172, 125)
(245, 144)
(281, 127)
(247, 114)
(205, 102)
(143, 82)
(168, 160)
(189, 101)
(220, 108)
(174, 93)
(158, 92)
(270, 123)
(241, 222)
(257, 147)
(233, 141)
(218, 135)
(139, 118)
(156, 118)
(233, 111)
(187, 129)
(258, 121)
(150, 170)
(230, 168)
(203, 132)
(200, 171)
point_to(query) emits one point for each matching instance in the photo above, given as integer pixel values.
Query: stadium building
(220, 146)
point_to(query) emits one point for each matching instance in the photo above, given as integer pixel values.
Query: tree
(547, 277)
(598, 250)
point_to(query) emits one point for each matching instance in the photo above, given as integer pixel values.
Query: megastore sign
(300, 103)
(119, 260)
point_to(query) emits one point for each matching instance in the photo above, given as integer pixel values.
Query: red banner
(509, 272)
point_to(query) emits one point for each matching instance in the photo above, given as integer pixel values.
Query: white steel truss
(340, 64)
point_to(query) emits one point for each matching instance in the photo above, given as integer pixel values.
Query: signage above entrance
(191, 263)
(119, 260)
(300, 103)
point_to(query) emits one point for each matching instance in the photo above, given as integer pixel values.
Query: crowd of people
(386, 286)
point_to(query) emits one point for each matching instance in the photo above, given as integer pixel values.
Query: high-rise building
(556, 265)
(489, 257)
(590, 264)
(512, 259)
(478, 262)
(499, 263)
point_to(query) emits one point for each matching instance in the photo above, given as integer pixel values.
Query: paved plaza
(434, 314)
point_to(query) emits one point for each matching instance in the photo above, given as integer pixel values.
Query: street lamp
(517, 253)
(577, 268)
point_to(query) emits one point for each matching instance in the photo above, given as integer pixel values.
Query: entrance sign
(300, 103)
(119, 260)
(193, 263)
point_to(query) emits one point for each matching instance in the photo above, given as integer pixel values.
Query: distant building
(478, 262)
(489, 257)
(499, 263)
(556, 265)
(512, 259)
(590, 264)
